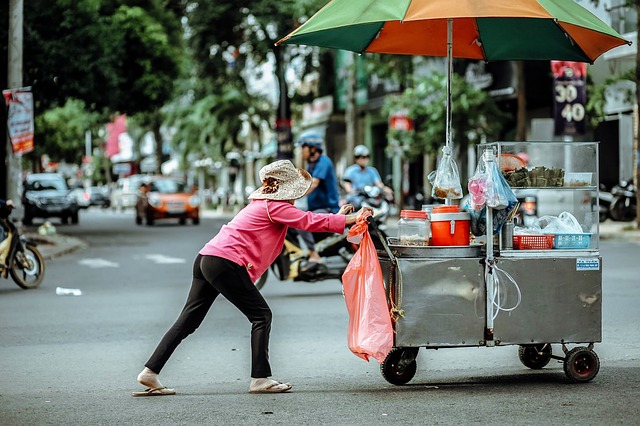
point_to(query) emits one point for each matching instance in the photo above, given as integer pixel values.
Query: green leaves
(474, 114)
(61, 131)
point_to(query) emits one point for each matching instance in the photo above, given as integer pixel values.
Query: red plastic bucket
(450, 229)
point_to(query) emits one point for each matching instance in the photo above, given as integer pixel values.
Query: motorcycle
(336, 251)
(605, 199)
(24, 262)
(623, 205)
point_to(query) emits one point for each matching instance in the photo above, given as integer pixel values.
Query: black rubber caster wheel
(535, 356)
(399, 367)
(581, 364)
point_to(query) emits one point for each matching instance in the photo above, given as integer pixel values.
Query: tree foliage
(475, 116)
(113, 55)
(62, 131)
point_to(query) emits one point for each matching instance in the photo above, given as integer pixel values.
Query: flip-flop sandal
(154, 392)
(276, 387)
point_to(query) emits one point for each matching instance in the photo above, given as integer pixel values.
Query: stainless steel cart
(444, 297)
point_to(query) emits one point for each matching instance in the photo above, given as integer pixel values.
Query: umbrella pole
(449, 73)
(448, 201)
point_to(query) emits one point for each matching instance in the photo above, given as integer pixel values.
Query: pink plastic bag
(370, 330)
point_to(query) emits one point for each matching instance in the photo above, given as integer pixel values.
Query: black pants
(213, 276)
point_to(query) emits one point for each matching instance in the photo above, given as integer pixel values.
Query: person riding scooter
(323, 196)
(360, 175)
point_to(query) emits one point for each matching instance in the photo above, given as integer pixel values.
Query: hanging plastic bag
(370, 331)
(498, 196)
(446, 179)
(477, 187)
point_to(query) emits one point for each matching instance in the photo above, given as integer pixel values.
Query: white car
(125, 194)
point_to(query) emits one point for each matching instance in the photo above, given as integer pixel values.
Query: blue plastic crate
(572, 241)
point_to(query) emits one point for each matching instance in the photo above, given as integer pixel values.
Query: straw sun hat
(282, 181)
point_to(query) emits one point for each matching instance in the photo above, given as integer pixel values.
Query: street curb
(52, 246)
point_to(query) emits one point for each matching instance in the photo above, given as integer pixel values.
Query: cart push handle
(373, 225)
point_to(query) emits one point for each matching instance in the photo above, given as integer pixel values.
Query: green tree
(114, 55)
(475, 116)
(62, 131)
(228, 40)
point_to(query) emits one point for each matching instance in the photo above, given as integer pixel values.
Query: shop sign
(570, 97)
(400, 121)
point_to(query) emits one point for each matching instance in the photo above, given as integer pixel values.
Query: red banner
(114, 129)
(20, 119)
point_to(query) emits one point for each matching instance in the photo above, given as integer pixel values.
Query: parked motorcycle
(623, 205)
(335, 250)
(24, 262)
(605, 199)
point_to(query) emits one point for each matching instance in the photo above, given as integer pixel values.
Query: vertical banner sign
(20, 119)
(570, 97)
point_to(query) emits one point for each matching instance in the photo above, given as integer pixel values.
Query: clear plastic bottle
(413, 228)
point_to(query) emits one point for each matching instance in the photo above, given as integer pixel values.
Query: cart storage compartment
(561, 301)
(443, 301)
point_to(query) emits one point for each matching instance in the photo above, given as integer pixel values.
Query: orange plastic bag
(370, 331)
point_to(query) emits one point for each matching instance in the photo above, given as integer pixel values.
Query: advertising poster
(570, 97)
(20, 119)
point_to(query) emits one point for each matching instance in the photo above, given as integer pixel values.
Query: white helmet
(360, 151)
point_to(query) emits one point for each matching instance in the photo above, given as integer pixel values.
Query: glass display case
(549, 179)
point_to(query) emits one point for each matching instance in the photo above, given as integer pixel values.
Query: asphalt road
(72, 360)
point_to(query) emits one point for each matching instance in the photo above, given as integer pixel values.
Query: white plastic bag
(564, 223)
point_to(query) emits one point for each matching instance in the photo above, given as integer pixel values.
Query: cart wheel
(535, 356)
(581, 364)
(399, 367)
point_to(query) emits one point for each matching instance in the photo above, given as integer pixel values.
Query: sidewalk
(52, 246)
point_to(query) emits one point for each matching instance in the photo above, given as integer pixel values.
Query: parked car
(99, 196)
(125, 194)
(81, 196)
(167, 198)
(48, 195)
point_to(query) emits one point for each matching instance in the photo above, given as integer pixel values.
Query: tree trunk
(156, 122)
(283, 120)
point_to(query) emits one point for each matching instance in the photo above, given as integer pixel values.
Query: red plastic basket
(533, 242)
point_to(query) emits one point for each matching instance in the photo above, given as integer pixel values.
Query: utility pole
(14, 80)
(350, 105)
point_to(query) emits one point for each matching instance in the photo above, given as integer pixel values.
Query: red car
(162, 197)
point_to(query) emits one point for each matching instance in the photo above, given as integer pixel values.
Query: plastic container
(412, 228)
(446, 209)
(450, 228)
(428, 208)
(533, 242)
(572, 241)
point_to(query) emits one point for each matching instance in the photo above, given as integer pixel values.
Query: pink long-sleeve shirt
(255, 236)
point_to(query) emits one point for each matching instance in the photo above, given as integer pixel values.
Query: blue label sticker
(588, 264)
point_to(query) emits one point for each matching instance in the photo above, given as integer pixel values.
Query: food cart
(546, 290)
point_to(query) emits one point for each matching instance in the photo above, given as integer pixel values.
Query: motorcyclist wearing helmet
(360, 174)
(323, 196)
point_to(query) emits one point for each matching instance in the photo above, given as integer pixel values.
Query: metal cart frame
(443, 297)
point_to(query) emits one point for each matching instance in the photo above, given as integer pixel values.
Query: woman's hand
(363, 210)
(346, 209)
(353, 217)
